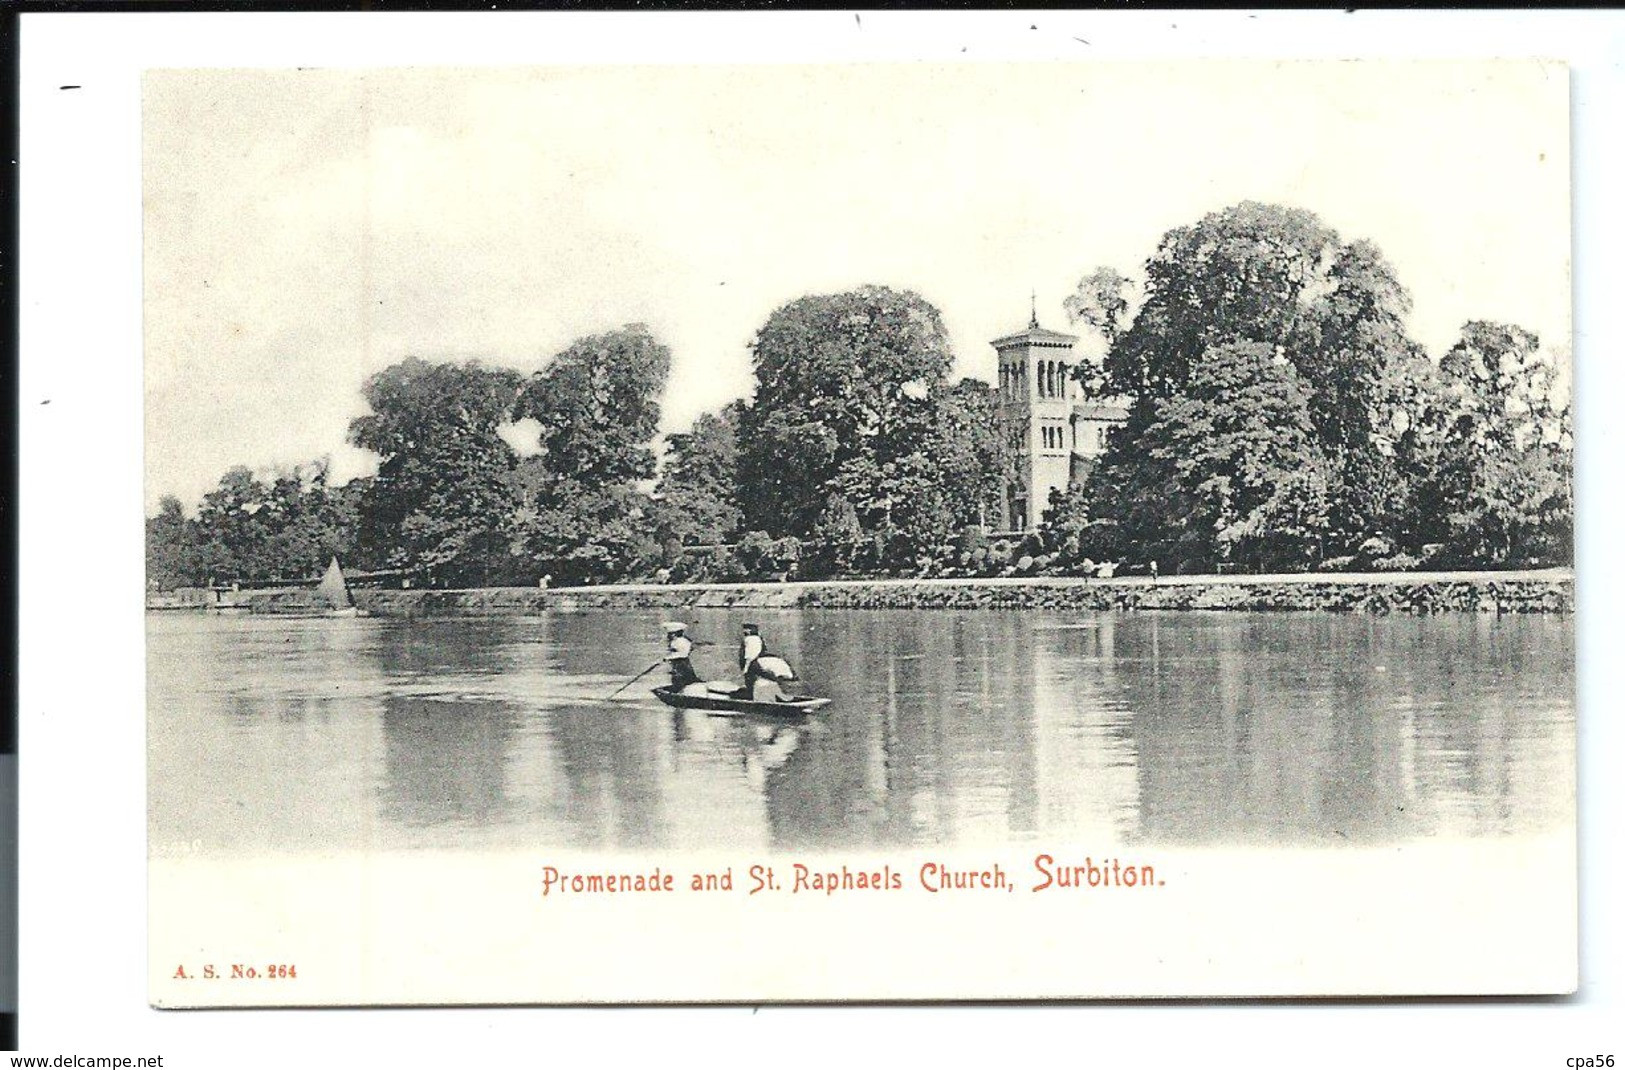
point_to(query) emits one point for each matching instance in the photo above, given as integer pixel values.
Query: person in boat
(763, 671)
(679, 648)
(751, 647)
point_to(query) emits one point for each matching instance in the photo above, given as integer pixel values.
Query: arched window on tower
(1060, 381)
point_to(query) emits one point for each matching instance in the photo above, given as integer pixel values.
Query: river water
(289, 736)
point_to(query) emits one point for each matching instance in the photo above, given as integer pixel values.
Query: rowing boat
(723, 703)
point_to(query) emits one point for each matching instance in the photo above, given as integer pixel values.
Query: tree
(599, 406)
(1354, 349)
(843, 429)
(345, 502)
(442, 504)
(1330, 309)
(1101, 300)
(171, 546)
(1228, 468)
(598, 402)
(838, 539)
(976, 452)
(585, 533)
(1066, 528)
(231, 533)
(1491, 450)
(698, 501)
(280, 528)
(761, 557)
(307, 522)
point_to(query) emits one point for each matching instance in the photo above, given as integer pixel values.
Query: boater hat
(674, 626)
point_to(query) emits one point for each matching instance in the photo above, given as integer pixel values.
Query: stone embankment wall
(1437, 593)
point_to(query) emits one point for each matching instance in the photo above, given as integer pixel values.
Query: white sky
(307, 228)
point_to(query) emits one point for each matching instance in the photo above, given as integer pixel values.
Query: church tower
(1036, 396)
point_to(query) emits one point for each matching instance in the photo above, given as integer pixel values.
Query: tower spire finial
(1032, 324)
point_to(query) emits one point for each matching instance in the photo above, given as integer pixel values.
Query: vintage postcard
(624, 534)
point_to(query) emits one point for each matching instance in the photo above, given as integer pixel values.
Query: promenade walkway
(1548, 575)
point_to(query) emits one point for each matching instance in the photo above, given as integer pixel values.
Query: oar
(636, 678)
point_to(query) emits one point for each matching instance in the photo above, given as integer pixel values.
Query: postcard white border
(82, 760)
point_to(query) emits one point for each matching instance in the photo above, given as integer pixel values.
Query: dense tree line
(856, 455)
(253, 530)
(1279, 418)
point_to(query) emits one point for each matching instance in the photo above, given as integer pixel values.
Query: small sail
(332, 589)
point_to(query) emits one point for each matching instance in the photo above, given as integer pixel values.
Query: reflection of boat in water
(767, 744)
(727, 703)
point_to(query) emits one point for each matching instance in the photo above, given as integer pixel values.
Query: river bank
(1543, 591)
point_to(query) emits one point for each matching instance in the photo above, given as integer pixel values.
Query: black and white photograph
(881, 536)
(857, 501)
(927, 538)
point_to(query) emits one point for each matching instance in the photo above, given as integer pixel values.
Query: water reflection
(445, 761)
(946, 728)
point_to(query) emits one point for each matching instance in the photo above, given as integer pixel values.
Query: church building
(1061, 433)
